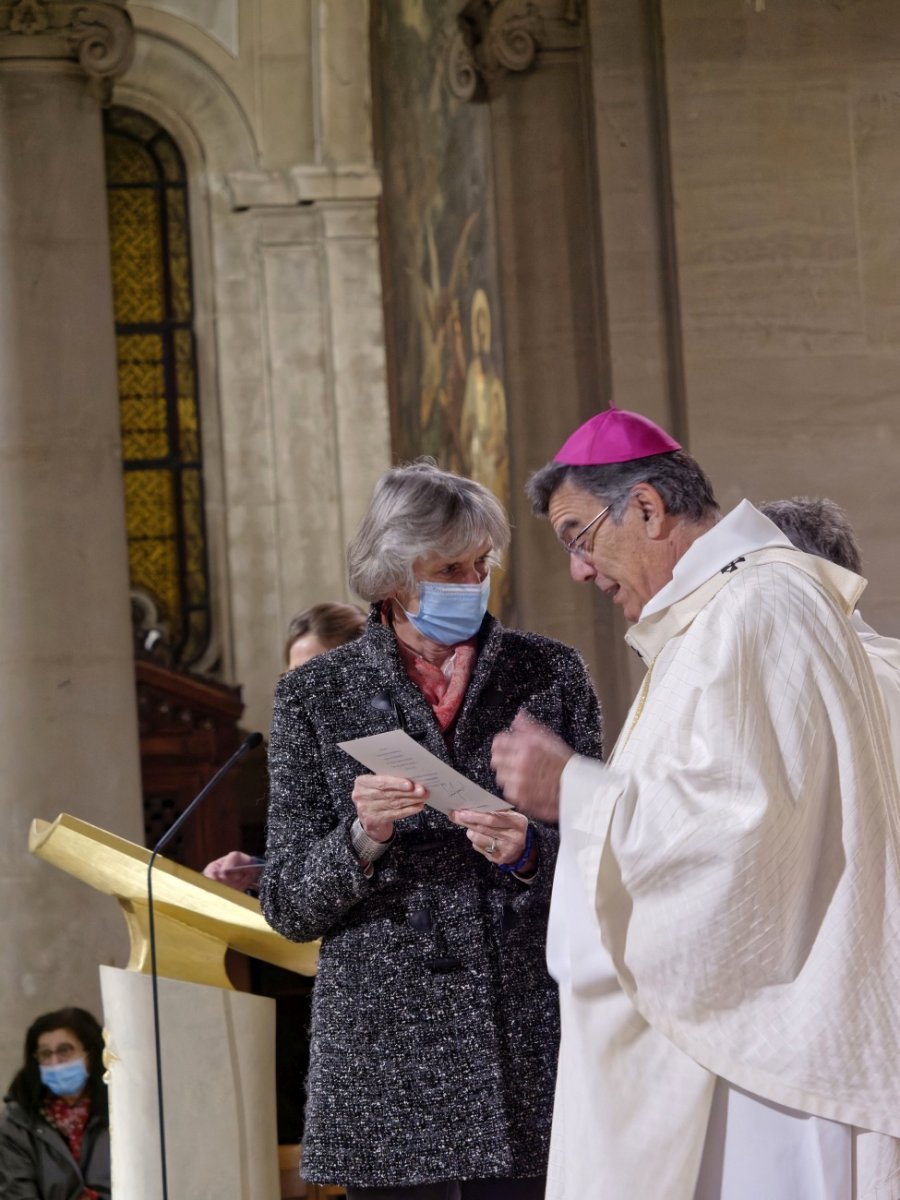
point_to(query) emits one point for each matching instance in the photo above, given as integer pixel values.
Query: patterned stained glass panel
(188, 425)
(153, 540)
(179, 258)
(136, 125)
(169, 159)
(138, 296)
(161, 444)
(151, 503)
(142, 396)
(191, 498)
(130, 162)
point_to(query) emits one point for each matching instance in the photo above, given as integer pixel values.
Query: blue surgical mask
(65, 1079)
(451, 612)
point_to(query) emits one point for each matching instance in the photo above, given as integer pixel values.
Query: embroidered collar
(743, 538)
(742, 530)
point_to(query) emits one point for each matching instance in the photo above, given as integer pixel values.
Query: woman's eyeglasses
(64, 1053)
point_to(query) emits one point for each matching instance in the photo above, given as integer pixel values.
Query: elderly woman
(435, 1024)
(54, 1134)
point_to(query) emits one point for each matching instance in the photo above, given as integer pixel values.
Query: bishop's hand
(528, 761)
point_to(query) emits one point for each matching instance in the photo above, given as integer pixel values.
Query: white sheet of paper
(396, 753)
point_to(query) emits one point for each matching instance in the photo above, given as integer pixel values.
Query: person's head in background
(63, 1056)
(322, 627)
(817, 526)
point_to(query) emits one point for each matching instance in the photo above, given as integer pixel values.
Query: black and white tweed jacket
(435, 1024)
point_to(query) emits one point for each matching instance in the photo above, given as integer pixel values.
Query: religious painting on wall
(439, 258)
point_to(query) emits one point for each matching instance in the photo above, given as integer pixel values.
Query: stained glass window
(153, 298)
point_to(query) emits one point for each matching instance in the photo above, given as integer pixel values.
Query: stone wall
(747, 161)
(270, 102)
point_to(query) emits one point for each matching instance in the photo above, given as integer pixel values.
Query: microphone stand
(249, 743)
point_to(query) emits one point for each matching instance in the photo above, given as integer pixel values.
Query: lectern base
(218, 1055)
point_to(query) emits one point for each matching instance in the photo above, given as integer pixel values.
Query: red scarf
(71, 1120)
(445, 696)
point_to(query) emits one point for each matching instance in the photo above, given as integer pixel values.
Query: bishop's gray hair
(682, 484)
(818, 527)
(417, 510)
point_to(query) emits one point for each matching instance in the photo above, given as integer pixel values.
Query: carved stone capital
(97, 34)
(494, 37)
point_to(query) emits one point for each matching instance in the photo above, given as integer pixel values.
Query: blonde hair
(332, 623)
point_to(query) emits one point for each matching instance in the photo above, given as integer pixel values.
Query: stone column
(530, 63)
(68, 728)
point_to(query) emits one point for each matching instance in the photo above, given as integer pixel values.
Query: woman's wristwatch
(517, 868)
(366, 849)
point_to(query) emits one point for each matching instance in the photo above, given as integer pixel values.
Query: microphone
(249, 743)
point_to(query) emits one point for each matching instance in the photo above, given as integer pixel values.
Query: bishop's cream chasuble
(884, 655)
(725, 925)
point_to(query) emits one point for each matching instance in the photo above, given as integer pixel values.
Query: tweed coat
(435, 1024)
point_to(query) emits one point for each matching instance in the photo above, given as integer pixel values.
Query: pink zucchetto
(614, 436)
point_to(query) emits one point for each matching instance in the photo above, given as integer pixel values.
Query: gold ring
(490, 848)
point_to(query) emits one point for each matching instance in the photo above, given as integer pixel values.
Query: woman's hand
(383, 799)
(499, 836)
(236, 869)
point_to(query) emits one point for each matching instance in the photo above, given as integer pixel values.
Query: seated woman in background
(317, 629)
(321, 628)
(435, 1024)
(54, 1134)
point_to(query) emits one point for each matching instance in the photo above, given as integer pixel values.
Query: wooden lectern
(218, 1045)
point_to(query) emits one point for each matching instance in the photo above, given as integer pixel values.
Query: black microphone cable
(249, 743)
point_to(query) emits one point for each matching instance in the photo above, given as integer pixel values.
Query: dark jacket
(37, 1164)
(435, 1024)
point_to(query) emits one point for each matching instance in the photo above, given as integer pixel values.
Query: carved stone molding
(97, 34)
(302, 185)
(494, 37)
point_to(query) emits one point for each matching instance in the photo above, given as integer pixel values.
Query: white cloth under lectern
(218, 1056)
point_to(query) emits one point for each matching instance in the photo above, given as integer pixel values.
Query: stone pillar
(531, 65)
(68, 728)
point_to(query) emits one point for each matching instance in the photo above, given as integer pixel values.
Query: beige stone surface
(298, 69)
(218, 19)
(294, 403)
(218, 1070)
(785, 155)
(346, 94)
(68, 724)
(874, 120)
(774, 126)
(630, 208)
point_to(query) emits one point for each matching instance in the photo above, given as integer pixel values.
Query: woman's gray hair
(818, 527)
(417, 510)
(681, 482)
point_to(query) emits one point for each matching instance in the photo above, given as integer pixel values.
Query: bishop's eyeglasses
(575, 545)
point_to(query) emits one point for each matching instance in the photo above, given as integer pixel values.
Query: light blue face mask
(451, 612)
(65, 1079)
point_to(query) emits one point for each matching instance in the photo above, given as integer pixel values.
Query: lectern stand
(218, 1045)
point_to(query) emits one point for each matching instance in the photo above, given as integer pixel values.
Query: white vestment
(884, 655)
(725, 925)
